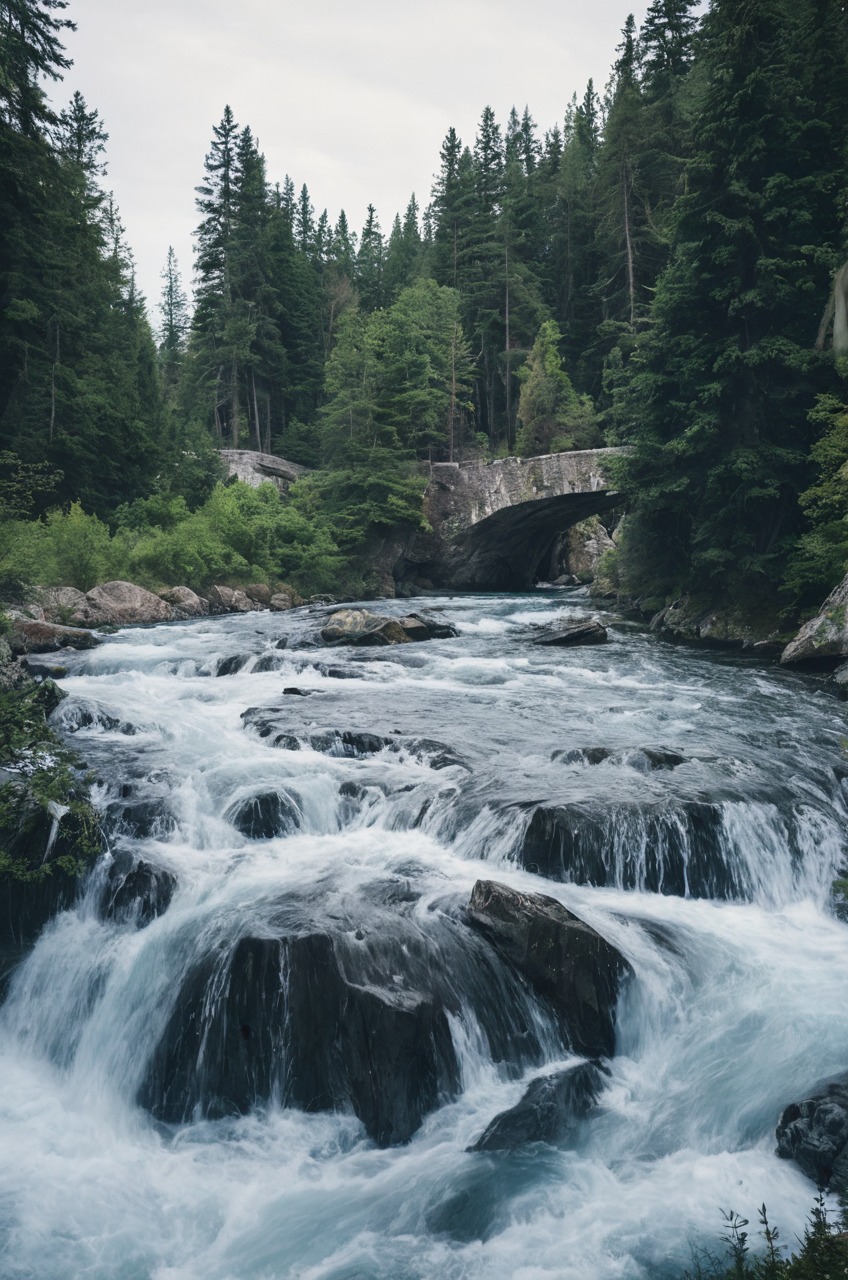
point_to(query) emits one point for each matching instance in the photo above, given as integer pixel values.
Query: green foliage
(552, 415)
(67, 548)
(238, 535)
(823, 1251)
(48, 782)
(379, 494)
(820, 559)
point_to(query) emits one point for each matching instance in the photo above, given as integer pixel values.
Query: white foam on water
(736, 1007)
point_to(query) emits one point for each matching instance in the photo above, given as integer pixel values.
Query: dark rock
(278, 1018)
(814, 1133)
(654, 758)
(583, 755)
(229, 666)
(141, 819)
(352, 744)
(266, 816)
(136, 891)
(644, 759)
(550, 1110)
(299, 693)
(563, 959)
(420, 626)
(268, 662)
(42, 670)
(591, 632)
(678, 850)
(47, 841)
(81, 714)
(282, 643)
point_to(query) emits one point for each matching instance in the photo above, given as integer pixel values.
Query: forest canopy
(660, 269)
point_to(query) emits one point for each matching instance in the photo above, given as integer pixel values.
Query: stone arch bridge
(495, 525)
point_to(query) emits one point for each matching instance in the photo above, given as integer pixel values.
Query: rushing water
(711, 873)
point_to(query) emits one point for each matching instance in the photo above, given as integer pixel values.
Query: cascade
(290, 1027)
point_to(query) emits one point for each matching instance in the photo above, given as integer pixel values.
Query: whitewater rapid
(712, 876)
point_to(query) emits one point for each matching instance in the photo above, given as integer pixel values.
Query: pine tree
(173, 308)
(552, 416)
(370, 262)
(30, 49)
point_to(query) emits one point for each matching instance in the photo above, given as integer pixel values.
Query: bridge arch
(494, 525)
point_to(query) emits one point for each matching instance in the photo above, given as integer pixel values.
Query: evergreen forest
(665, 268)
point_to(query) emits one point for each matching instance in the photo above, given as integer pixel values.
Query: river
(688, 805)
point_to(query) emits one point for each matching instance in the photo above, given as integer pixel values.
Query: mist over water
(687, 805)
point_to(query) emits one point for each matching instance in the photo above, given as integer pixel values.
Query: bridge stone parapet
(255, 468)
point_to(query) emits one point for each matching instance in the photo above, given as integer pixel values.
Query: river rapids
(687, 805)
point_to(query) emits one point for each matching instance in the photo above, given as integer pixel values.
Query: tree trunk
(234, 406)
(256, 412)
(628, 237)
(510, 435)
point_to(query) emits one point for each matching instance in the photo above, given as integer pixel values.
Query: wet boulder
(233, 664)
(277, 1017)
(563, 959)
(679, 849)
(643, 759)
(421, 626)
(136, 890)
(550, 1110)
(48, 847)
(814, 1133)
(573, 634)
(350, 744)
(266, 815)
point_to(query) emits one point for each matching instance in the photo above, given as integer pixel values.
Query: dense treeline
(653, 272)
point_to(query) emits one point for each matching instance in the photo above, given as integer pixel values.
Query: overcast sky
(354, 99)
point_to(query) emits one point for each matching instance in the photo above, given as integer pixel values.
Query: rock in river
(550, 1110)
(361, 627)
(563, 959)
(577, 633)
(814, 1133)
(281, 1019)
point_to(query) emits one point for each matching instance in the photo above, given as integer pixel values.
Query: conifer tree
(370, 262)
(721, 387)
(173, 307)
